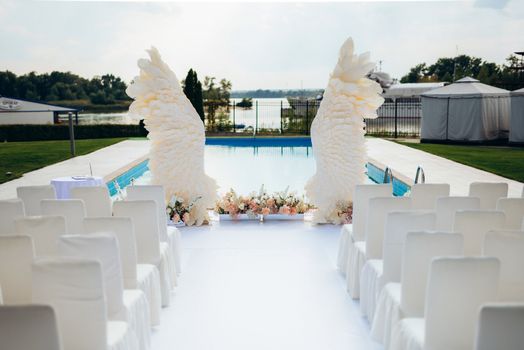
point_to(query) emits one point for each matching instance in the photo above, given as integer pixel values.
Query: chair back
(489, 193)
(424, 196)
(96, 199)
(156, 193)
(32, 195)
(73, 211)
(514, 210)
(500, 326)
(44, 230)
(446, 208)
(363, 193)
(9, 210)
(473, 226)
(16, 257)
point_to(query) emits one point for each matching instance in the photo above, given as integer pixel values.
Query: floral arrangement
(285, 203)
(179, 212)
(344, 213)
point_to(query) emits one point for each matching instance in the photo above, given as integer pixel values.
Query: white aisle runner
(269, 286)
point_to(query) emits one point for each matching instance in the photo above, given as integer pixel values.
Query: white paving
(247, 285)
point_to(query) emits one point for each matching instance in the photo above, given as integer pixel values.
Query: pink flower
(176, 218)
(284, 210)
(293, 211)
(270, 202)
(185, 217)
(265, 211)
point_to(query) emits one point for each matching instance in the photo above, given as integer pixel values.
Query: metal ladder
(388, 175)
(420, 172)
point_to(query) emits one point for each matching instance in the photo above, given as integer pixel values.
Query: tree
(193, 91)
(415, 74)
(216, 96)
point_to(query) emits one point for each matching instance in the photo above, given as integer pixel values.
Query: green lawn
(500, 160)
(22, 157)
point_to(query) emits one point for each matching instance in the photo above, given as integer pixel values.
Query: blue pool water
(244, 164)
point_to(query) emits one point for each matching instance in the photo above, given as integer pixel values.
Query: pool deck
(115, 159)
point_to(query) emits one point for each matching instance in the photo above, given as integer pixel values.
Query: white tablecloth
(63, 185)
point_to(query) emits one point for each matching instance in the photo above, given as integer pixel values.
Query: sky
(255, 45)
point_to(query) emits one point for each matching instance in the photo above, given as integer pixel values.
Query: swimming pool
(244, 164)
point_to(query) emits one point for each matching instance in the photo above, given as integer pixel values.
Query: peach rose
(265, 211)
(284, 210)
(293, 211)
(176, 218)
(270, 202)
(185, 217)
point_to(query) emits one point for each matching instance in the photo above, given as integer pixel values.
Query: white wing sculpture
(337, 134)
(177, 135)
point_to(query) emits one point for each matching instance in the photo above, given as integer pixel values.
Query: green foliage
(245, 103)
(193, 91)
(216, 97)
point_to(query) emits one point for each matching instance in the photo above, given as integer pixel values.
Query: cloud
(495, 4)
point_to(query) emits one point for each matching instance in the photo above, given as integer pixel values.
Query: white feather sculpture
(177, 135)
(337, 134)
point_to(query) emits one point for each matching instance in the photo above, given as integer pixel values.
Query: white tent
(516, 128)
(466, 110)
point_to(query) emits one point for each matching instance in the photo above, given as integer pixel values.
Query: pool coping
(115, 174)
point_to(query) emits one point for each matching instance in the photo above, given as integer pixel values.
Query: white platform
(274, 285)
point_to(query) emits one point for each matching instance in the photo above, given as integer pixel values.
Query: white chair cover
(457, 287)
(75, 289)
(44, 230)
(424, 196)
(378, 209)
(32, 195)
(9, 210)
(170, 235)
(96, 199)
(406, 299)
(508, 247)
(73, 211)
(376, 273)
(144, 215)
(446, 208)
(474, 224)
(355, 232)
(16, 257)
(29, 327)
(513, 208)
(501, 327)
(489, 193)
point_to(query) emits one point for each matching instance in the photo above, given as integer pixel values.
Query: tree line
(449, 69)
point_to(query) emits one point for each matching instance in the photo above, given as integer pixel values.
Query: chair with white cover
(424, 196)
(75, 289)
(371, 248)
(406, 299)
(473, 226)
(355, 232)
(44, 230)
(128, 305)
(73, 211)
(514, 210)
(29, 327)
(168, 234)
(16, 257)
(96, 199)
(446, 208)
(385, 269)
(501, 327)
(489, 193)
(456, 289)
(144, 216)
(32, 195)
(9, 210)
(508, 247)
(136, 276)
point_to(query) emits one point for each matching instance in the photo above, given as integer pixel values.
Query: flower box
(270, 217)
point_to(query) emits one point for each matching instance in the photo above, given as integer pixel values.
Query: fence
(398, 118)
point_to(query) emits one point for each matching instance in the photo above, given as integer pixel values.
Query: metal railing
(388, 175)
(420, 172)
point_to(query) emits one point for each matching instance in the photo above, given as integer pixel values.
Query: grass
(22, 157)
(501, 160)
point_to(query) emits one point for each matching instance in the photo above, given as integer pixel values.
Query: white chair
(128, 305)
(75, 289)
(424, 196)
(32, 195)
(446, 207)
(501, 327)
(514, 210)
(378, 272)
(355, 232)
(371, 248)
(9, 210)
(16, 257)
(406, 299)
(73, 211)
(473, 226)
(136, 276)
(168, 234)
(144, 215)
(456, 289)
(488, 192)
(508, 247)
(44, 230)
(29, 327)
(96, 199)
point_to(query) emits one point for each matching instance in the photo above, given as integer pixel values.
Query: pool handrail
(388, 175)
(420, 172)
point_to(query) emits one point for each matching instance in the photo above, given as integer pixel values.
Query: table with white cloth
(63, 185)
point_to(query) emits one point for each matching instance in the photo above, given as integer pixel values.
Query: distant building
(20, 111)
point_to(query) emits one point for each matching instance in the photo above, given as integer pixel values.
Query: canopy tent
(516, 128)
(466, 110)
